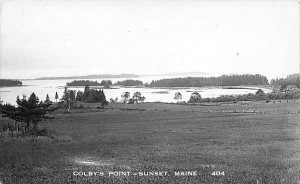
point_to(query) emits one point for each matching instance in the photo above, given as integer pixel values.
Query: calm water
(43, 87)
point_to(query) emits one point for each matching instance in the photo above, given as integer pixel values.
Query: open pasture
(250, 147)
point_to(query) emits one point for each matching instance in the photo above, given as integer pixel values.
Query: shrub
(205, 100)
(195, 98)
(131, 101)
(99, 107)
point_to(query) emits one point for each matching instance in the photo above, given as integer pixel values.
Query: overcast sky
(66, 38)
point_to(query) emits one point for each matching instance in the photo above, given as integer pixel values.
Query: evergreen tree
(47, 99)
(69, 99)
(56, 96)
(28, 111)
(86, 93)
(79, 96)
(297, 83)
(91, 96)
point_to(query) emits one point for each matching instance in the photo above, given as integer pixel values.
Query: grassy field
(254, 143)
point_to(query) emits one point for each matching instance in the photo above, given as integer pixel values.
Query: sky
(47, 38)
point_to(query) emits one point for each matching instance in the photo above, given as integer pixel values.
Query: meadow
(256, 142)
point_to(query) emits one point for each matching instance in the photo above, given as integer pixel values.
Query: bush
(131, 101)
(290, 95)
(205, 100)
(224, 98)
(99, 107)
(250, 97)
(195, 98)
(271, 95)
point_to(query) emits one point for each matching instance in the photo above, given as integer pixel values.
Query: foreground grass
(249, 147)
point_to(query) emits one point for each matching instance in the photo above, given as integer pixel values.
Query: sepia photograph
(150, 91)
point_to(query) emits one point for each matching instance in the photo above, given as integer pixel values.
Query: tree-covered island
(10, 82)
(105, 83)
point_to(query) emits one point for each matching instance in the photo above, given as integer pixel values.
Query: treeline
(91, 96)
(26, 115)
(89, 83)
(224, 80)
(259, 95)
(70, 97)
(10, 82)
(129, 82)
(289, 80)
(105, 83)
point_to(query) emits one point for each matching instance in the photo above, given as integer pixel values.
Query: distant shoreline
(90, 77)
(250, 87)
(180, 74)
(15, 86)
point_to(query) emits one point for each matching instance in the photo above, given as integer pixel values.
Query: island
(10, 82)
(129, 82)
(104, 83)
